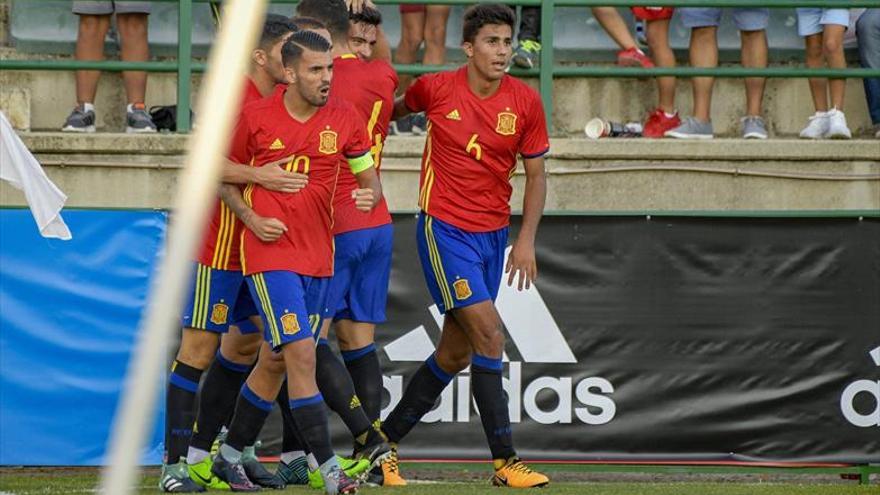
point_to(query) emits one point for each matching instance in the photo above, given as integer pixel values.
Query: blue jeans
(868, 33)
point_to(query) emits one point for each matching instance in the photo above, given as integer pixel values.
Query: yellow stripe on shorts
(437, 264)
(266, 302)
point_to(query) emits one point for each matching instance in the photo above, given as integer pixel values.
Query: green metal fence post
(546, 76)
(184, 64)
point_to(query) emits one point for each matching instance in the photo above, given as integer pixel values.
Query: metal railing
(184, 66)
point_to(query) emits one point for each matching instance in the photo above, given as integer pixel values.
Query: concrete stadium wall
(131, 171)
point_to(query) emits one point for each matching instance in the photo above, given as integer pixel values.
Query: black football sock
(492, 402)
(363, 367)
(338, 391)
(180, 407)
(290, 439)
(217, 401)
(421, 393)
(251, 412)
(310, 415)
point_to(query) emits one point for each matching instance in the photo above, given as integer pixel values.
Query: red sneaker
(633, 57)
(658, 123)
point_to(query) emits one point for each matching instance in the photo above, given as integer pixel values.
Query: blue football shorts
(461, 268)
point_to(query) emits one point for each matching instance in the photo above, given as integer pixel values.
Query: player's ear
(468, 48)
(289, 75)
(260, 57)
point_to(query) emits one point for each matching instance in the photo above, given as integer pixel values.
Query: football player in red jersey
(359, 288)
(480, 121)
(219, 301)
(289, 276)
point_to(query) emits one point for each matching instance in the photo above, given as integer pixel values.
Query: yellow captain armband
(361, 163)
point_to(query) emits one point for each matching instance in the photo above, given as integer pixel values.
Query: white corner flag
(19, 167)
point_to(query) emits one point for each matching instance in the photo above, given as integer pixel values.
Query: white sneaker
(817, 126)
(837, 128)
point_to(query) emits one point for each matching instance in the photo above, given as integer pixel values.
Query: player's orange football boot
(387, 473)
(515, 474)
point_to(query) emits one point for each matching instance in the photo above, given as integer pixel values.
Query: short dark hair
(483, 14)
(305, 23)
(301, 41)
(333, 13)
(275, 28)
(367, 15)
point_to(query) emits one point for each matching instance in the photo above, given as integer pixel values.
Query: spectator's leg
(832, 49)
(412, 32)
(614, 25)
(754, 54)
(752, 24)
(436, 17)
(90, 46)
(818, 85)
(703, 53)
(658, 42)
(868, 32)
(382, 51)
(133, 35)
(530, 24)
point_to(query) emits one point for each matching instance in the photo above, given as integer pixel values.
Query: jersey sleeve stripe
(536, 155)
(230, 240)
(437, 264)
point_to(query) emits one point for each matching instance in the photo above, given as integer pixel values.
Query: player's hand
(273, 177)
(522, 261)
(364, 199)
(266, 229)
(356, 6)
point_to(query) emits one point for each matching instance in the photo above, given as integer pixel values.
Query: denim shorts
(746, 19)
(109, 7)
(811, 20)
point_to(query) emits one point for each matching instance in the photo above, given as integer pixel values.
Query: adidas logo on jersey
(276, 145)
(453, 115)
(538, 339)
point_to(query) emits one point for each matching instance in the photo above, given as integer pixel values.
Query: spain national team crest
(327, 145)
(506, 124)
(462, 289)
(219, 314)
(289, 324)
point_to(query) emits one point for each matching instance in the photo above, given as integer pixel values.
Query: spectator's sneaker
(294, 473)
(754, 127)
(80, 120)
(175, 479)
(387, 473)
(337, 483)
(401, 126)
(658, 123)
(419, 124)
(837, 128)
(526, 54)
(515, 474)
(256, 472)
(233, 474)
(691, 128)
(634, 57)
(138, 120)
(817, 126)
(202, 475)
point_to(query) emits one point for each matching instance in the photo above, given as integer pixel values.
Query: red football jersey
(221, 242)
(266, 132)
(370, 87)
(472, 146)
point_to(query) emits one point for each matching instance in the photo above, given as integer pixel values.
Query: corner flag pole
(218, 106)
